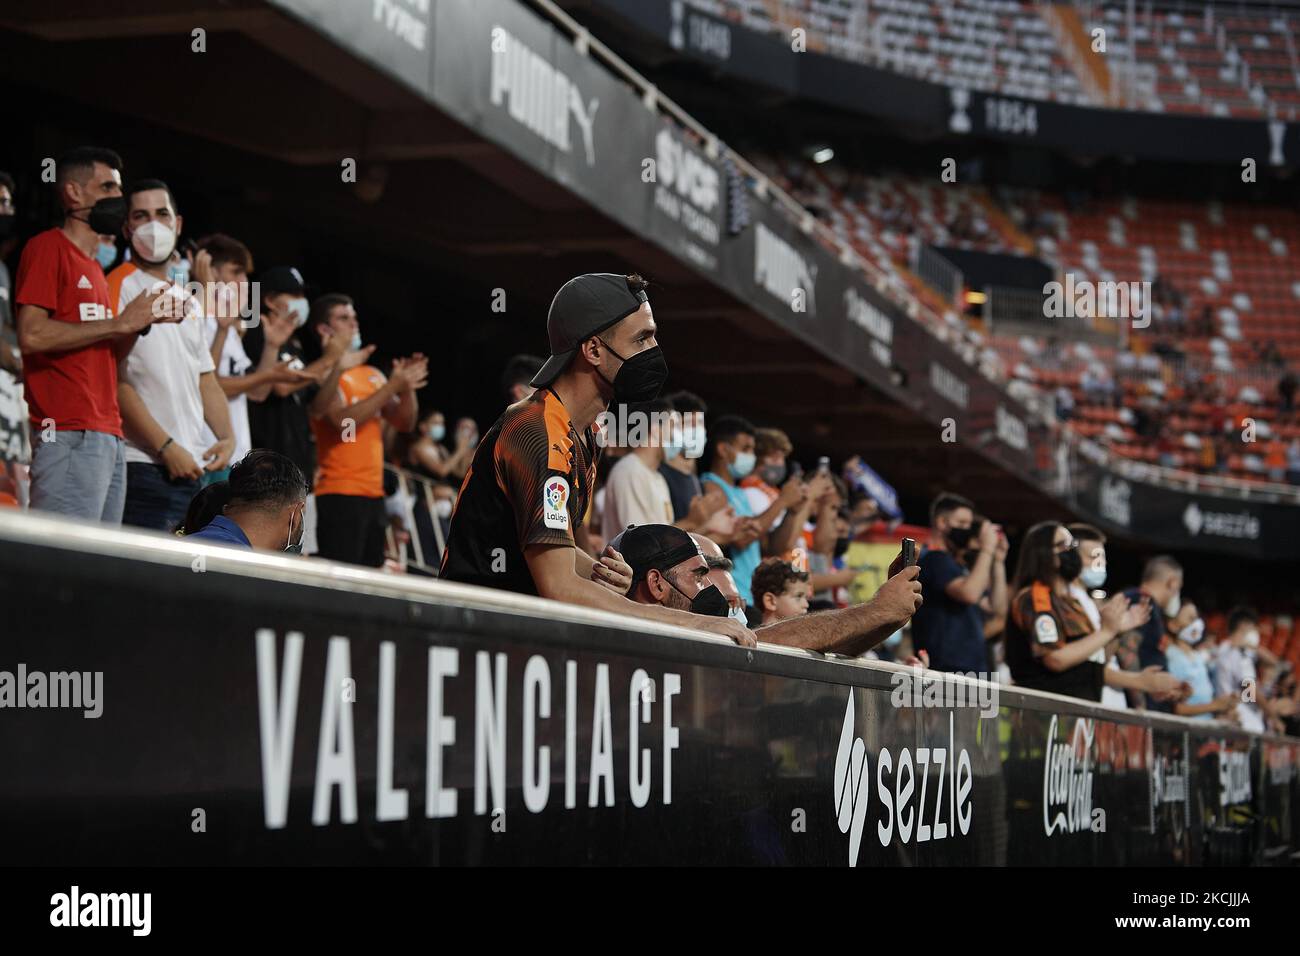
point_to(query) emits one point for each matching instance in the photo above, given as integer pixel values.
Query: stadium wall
(243, 708)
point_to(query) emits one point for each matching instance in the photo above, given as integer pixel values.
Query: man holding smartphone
(950, 626)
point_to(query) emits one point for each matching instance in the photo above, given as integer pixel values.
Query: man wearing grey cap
(532, 476)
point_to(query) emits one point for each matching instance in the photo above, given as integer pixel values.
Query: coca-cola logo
(1067, 781)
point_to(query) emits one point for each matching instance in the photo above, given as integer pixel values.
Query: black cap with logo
(584, 306)
(654, 546)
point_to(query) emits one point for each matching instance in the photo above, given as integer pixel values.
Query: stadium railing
(164, 679)
(423, 550)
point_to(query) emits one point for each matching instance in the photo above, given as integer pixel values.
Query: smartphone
(823, 465)
(909, 552)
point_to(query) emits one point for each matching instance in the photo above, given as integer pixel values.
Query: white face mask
(1193, 632)
(355, 344)
(739, 614)
(442, 508)
(154, 242)
(1175, 603)
(1252, 638)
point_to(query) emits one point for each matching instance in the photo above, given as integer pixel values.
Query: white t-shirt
(634, 494)
(1110, 696)
(164, 369)
(233, 363)
(1234, 671)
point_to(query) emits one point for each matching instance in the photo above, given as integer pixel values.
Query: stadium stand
(1223, 277)
(1172, 58)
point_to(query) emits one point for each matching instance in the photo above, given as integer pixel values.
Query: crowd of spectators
(139, 366)
(146, 380)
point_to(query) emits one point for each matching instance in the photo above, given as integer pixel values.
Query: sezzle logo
(1067, 781)
(541, 97)
(852, 789)
(852, 780)
(1224, 524)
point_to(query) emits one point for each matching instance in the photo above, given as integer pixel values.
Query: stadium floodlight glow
(823, 155)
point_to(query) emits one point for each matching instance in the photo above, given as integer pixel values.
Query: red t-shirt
(76, 388)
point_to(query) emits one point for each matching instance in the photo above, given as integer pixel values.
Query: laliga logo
(851, 783)
(555, 495)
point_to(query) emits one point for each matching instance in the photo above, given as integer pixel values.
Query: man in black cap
(282, 420)
(669, 568)
(530, 482)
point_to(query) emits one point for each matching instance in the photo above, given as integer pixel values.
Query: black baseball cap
(657, 546)
(585, 305)
(282, 279)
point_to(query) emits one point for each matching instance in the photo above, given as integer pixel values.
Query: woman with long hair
(1051, 642)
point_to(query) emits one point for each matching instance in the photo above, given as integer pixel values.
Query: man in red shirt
(71, 343)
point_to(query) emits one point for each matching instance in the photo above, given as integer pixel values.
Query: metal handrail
(417, 556)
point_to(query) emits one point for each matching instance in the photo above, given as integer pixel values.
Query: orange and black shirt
(530, 483)
(1041, 616)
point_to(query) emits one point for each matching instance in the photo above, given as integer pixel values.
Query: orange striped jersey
(530, 482)
(1041, 616)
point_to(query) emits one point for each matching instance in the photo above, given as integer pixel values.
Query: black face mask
(640, 377)
(7, 226)
(841, 545)
(708, 602)
(1071, 563)
(107, 215)
(959, 537)
(774, 475)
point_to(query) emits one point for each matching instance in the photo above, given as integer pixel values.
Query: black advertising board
(354, 717)
(508, 74)
(395, 36)
(1188, 519)
(1110, 132)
